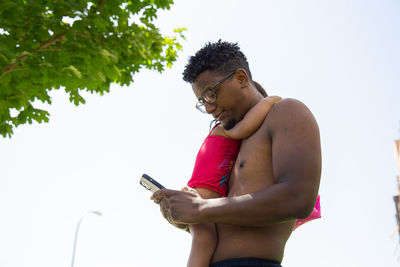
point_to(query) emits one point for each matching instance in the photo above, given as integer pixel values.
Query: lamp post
(98, 213)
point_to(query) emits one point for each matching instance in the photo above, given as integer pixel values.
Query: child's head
(260, 89)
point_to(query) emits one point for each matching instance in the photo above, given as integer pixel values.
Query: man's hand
(179, 207)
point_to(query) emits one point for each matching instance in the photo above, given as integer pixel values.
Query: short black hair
(220, 58)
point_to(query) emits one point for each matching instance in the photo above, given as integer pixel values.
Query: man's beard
(229, 125)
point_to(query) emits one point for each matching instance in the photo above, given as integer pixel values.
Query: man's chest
(253, 167)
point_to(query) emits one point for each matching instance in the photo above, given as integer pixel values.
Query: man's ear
(243, 78)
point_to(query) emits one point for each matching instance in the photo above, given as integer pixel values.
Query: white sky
(340, 57)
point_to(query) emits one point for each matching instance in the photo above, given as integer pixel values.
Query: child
(212, 170)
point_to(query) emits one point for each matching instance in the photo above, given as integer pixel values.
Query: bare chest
(253, 167)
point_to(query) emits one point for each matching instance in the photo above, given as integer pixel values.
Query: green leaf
(3, 57)
(24, 53)
(74, 70)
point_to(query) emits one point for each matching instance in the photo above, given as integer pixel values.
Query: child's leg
(204, 236)
(204, 242)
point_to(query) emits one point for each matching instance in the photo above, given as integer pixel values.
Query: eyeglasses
(209, 96)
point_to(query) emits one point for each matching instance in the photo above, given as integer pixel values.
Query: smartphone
(150, 184)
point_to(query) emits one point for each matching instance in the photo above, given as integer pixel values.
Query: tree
(76, 45)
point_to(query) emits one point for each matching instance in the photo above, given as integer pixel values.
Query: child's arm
(204, 237)
(251, 121)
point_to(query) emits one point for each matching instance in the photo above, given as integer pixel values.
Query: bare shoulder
(291, 113)
(289, 104)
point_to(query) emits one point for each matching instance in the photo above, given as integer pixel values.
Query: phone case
(150, 184)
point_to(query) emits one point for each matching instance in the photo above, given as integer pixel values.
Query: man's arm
(251, 121)
(296, 157)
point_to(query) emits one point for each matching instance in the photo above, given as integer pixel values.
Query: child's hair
(260, 89)
(219, 58)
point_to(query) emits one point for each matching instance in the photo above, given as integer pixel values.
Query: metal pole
(77, 231)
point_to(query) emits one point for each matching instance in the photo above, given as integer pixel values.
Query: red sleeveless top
(214, 163)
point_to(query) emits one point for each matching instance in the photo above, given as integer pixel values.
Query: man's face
(228, 107)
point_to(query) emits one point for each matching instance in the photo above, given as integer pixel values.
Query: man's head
(218, 58)
(221, 79)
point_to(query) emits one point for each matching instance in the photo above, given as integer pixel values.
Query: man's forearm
(271, 205)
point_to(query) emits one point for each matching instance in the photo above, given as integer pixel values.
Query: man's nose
(210, 108)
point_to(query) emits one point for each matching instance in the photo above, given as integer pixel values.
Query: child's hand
(274, 99)
(189, 189)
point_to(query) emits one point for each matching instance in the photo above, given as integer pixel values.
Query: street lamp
(98, 213)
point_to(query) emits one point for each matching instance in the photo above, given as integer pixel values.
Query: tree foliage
(76, 45)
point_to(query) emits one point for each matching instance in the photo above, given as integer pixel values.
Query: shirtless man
(275, 178)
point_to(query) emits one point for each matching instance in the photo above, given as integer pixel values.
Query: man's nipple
(241, 164)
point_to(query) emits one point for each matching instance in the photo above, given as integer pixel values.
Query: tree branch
(101, 2)
(52, 40)
(88, 37)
